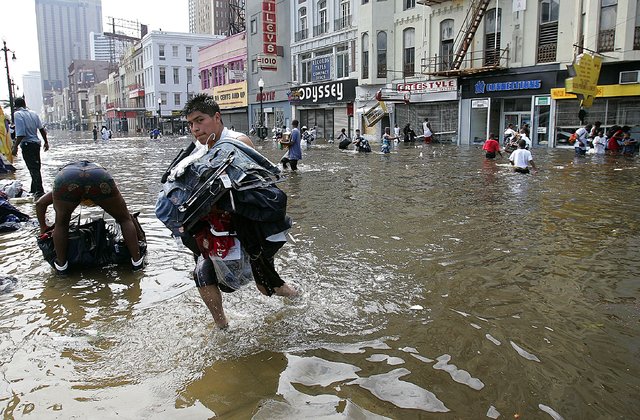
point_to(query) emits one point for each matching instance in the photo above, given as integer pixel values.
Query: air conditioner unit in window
(628, 77)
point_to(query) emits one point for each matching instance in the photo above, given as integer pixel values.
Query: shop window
(365, 56)
(408, 52)
(607, 29)
(446, 44)
(492, 29)
(548, 31)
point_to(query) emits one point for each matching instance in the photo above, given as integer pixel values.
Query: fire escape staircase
(468, 30)
(443, 66)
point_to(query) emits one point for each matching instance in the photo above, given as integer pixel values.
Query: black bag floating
(94, 244)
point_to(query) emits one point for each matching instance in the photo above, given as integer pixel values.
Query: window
(365, 1)
(446, 44)
(218, 76)
(163, 98)
(409, 52)
(344, 19)
(176, 98)
(235, 71)
(382, 54)
(492, 29)
(176, 75)
(303, 33)
(254, 26)
(174, 49)
(161, 52)
(607, 32)
(188, 54)
(163, 75)
(323, 20)
(342, 61)
(254, 66)
(548, 31)
(409, 4)
(305, 68)
(365, 56)
(189, 75)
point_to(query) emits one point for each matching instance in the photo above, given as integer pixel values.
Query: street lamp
(188, 83)
(9, 82)
(262, 130)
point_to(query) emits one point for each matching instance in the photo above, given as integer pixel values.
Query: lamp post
(160, 114)
(188, 83)
(9, 82)
(261, 134)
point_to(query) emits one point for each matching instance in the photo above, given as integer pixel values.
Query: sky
(18, 29)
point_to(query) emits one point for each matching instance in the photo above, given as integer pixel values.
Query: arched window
(548, 31)
(446, 44)
(323, 18)
(303, 29)
(381, 46)
(492, 29)
(409, 52)
(365, 56)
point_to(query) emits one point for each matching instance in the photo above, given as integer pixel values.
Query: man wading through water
(205, 121)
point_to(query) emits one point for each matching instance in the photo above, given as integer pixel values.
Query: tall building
(210, 17)
(63, 36)
(32, 90)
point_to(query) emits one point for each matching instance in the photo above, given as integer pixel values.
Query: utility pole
(9, 84)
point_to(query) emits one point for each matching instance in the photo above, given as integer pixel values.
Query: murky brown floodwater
(437, 285)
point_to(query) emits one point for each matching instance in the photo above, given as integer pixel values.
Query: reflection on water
(436, 284)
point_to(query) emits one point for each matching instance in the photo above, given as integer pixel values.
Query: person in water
(88, 183)
(205, 121)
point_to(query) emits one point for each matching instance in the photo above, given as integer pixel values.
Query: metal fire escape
(236, 16)
(453, 64)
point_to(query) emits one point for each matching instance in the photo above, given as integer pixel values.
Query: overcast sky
(18, 28)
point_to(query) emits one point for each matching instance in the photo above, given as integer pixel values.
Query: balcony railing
(323, 28)
(474, 62)
(302, 34)
(341, 23)
(636, 39)
(547, 53)
(606, 40)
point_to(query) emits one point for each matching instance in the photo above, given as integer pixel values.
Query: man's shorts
(83, 180)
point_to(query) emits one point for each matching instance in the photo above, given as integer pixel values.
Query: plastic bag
(234, 270)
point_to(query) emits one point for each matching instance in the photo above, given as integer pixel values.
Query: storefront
(326, 106)
(275, 108)
(232, 99)
(436, 100)
(492, 101)
(615, 104)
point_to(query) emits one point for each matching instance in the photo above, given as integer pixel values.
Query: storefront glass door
(541, 119)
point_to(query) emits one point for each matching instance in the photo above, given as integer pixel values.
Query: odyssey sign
(343, 90)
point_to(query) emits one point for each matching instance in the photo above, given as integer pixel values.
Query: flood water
(436, 285)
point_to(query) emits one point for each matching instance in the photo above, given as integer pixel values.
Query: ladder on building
(463, 40)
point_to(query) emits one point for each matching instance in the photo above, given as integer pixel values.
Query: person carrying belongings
(219, 197)
(87, 183)
(343, 140)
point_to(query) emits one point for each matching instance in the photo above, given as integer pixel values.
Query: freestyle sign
(482, 87)
(430, 86)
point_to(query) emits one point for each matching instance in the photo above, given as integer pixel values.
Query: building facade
(169, 64)
(83, 74)
(269, 59)
(222, 71)
(209, 17)
(32, 90)
(323, 71)
(63, 36)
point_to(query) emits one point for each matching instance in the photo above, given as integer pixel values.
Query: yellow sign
(604, 91)
(375, 113)
(585, 71)
(233, 95)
